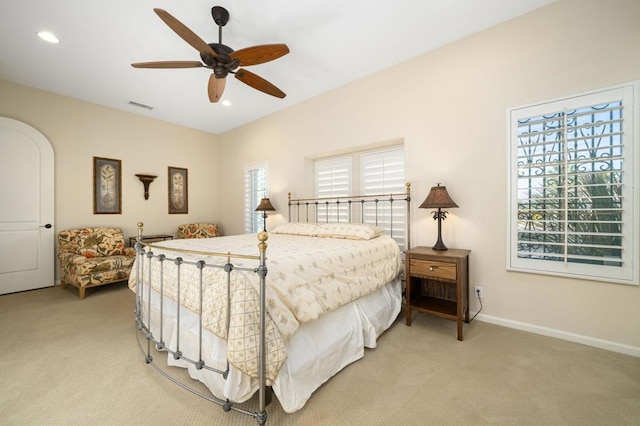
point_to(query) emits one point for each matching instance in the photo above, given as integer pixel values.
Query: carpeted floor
(70, 362)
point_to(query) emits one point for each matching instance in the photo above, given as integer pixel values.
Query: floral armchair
(197, 230)
(91, 257)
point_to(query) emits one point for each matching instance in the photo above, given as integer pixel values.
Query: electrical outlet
(478, 291)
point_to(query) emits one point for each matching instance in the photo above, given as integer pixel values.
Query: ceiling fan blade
(259, 83)
(216, 88)
(259, 54)
(185, 33)
(168, 64)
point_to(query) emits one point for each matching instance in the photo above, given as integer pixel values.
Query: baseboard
(564, 335)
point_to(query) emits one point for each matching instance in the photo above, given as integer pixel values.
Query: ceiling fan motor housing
(223, 63)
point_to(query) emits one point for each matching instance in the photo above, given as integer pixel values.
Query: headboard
(390, 211)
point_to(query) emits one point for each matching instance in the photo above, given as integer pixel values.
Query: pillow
(296, 228)
(352, 231)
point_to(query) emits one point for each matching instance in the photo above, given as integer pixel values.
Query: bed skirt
(316, 351)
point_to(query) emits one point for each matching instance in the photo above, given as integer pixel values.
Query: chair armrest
(72, 258)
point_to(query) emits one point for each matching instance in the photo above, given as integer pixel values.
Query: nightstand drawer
(433, 269)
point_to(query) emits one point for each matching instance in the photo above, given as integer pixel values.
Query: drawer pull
(431, 268)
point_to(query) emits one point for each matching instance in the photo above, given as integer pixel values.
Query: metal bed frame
(144, 265)
(144, 324)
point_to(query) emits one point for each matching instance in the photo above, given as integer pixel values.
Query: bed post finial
(408, 186)
(140, 226)
(262, 237)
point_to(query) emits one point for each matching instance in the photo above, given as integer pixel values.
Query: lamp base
(439, 246)
(440, 215)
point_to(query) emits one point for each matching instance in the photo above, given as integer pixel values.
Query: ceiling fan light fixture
(48, 37)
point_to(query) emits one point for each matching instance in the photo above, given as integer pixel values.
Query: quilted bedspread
(307, 277)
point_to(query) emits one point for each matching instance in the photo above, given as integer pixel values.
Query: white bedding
(317, 350)
(326, 338)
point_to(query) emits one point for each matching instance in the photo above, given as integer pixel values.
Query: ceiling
(331, 42)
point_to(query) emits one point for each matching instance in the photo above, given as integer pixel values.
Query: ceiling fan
(221, 58)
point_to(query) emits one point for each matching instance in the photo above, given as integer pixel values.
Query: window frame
(627, 273)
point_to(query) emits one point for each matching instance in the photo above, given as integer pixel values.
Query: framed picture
(178, 191)
(107, 186)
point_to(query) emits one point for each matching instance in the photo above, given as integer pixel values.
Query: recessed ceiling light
(47, 36)
(226, 102)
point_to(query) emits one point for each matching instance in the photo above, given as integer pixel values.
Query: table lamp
(438, 198)
(264, 207)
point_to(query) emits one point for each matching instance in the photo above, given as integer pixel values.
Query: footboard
(152, 321)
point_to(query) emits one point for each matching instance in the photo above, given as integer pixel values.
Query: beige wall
(79, 131)
(450, 108)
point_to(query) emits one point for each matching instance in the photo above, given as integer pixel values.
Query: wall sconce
(438, 198)
(146, 181)
(264, 207)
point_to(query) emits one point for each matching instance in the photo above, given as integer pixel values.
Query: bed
(284, 320)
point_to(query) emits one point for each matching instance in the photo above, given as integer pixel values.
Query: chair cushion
(100, 242)
(197, 230)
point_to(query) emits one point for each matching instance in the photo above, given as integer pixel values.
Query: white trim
(629, 275)
(564, 335)
(249, 213)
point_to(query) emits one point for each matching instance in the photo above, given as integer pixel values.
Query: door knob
(48, 225)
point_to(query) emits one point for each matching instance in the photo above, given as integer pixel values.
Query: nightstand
(437, 283)
(150, 239)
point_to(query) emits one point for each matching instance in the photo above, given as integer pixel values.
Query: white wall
(79, 131)
(450, 107)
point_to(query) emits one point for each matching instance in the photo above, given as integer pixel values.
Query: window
(383, 173)
(255, 188)
(365, 173)
(333, 179)
(573, 196)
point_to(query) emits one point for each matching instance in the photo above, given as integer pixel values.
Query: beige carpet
(70, 362)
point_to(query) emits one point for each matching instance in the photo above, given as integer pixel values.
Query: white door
(26, 208)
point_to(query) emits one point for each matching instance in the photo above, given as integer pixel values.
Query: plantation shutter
(333, 179)
(572, 178)
(255, 188)
(383, 173)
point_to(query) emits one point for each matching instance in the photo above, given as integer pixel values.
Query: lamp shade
(265, 206)
(438, 198)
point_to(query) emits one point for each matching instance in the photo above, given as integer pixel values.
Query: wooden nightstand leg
(407, 309)
(459, 328)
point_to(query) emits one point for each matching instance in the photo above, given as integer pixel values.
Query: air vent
(139, 105)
